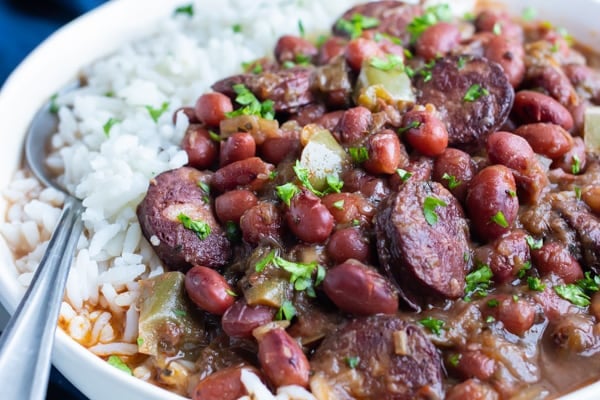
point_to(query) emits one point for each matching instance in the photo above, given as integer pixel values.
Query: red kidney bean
(427, 133)
(251, 173)
(230, 206)
(530, 107)
(359, 50)
(263, 221)
(385, 153)
(330, 120)
(553, 81)
(516, 316)
(573, 161)
(347, 207)
(236, 147)
(294, 49)
(211, 108)
(438, 40)
(471, 389)
(510, 54)
(309, 114)
(454, 169)
(355, 124)
(578, 113)
(546, 139)
(372, 188)
(591, 196)
(208, 289)
(510, 150)
(308, 218)
(499, 22)
(506, 256)
(574, 333)
(348, 243)
(360, 290)
(189, 112)
(282, 359)
(200, 148)
(224, 384)
(490, 203)
(555, 258)
(333, 47)
(241, 319)
(475, 364)
(276, 150)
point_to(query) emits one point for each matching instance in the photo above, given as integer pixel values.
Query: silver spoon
(27, 341)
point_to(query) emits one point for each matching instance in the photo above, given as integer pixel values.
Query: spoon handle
(26, 344)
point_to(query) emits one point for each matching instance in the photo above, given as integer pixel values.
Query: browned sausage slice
(472, 95)
(171, 194)
(381, 357)
(423, 253)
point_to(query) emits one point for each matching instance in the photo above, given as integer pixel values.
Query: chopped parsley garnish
(232, 231)
(250, 104)
(474, 92)
(493, 303)
(155, 113)
(359, 154)
(535, 283)
(300, 273)
(533, 243)
(452, 181)
(355, 222)
(469, 16)
(409, 71)
(287, 311)
(432, 16)
(511, 193)
(408, 54)
(321, 41)
(429, 206)
(454, 359)
(497, 29)
(413, 124)
(266, 260)
(589, 283)
(352, 362)
(288, 64)
(116, 362)
(204, 186)
(573, 293)
(186, 9)
(478, 282)
(460, 63)
(214, 136)
(489, 319)
(357, 23)
(529, 14)
(403, 174)
(426, 74)
(286, 192)
(379, 36)
(334, 184)
(257, 67)
(338, 205)
(390, 62)
(237, 28)
(180, 313)
(515, 297)
(273, 174)
(301, 28)
(575, 165)
(303, 176)
(526, 267)
(433, 325)
(500, 219)
(577, 191)
(54, 107)
(231, 293)
(200, 228)
(109, 124)
(140, 341)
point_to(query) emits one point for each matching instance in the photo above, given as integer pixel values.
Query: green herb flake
(526, 267)
(478, 282)
(461, 62)
(273, 174)
(352, 362)
(334, 184)
(286, 192)
(433, 325)
(534, 244)
(266, 260)
(155, 113)
(409, 71)
(231, 293)
(403, 174)
(250, 104)
(237, 28)
(490, 319)
(214, 136)
(301, 28)
(339, 205)
(429, 206)
(515, 297)
(390, 62)
(452, 181)
(497, 29)
(232, 231)
(288, 64)
(321, 39)
(109, 124)
(356, 24)
(493, 303)
(475, 92)
(469, 16)
(187, 9)
(303, 174)
(116, 362)
(140, 341)
(454, 359)
(589, 283)
(359, 154)
(301, 274)
(575, 165)
(408, 55)
(200, 228)
(204, 186)
(500, 219)
(180, 313)
(426, 74)
(413, 124)
(355, 222)
(554, 48)
(577, 191)
(573, 293)
(287, 311)
(528, 14)
(431, 16)
(535, 283)
(54, 107)
(511, 193)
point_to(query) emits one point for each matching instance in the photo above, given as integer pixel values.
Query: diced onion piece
(322, 156)
(260, 128)
(591, 131)
(392, 87)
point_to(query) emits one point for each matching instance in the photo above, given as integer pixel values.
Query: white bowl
(57, 60)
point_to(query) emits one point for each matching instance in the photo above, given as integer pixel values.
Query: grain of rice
(79, 328)
(100, 322)
(115, 348)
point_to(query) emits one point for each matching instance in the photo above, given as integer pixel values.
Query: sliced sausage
(422, 239)
(174, 193)
(468, 118)
(380, 357)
